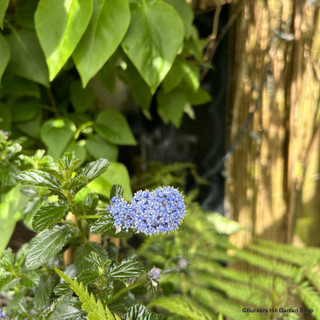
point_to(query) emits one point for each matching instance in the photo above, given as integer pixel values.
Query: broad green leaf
(67, 311)
(108, 25)
(32, 127)
(8, 173)
(139, 89)
(47, 215)
(113, 126)
(46, 245)
(27, 59)
(78, 148)
(153, 42)
(94, 169)
(81, 99)
(174, 76)
(11, 209)
(39, 178)
(100, 148)
(107, 76)
(43, 291)
(19, 87)
(5, 118)
(24, 110)
(31, 279)
(5, 52)
(60, 25)
(3, 8)
(24, 15)
(171, 105)
(191, 75)
(199, 97)
(186, 14)
(56, 134)
(116, 174)
(126, 269)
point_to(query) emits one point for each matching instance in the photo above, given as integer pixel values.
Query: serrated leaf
(116, 190)
(108, 25)
(152, 42)
(43, 291)
(7, 259)
(46, 245)
(4, 280)
(94, 169)
(3, 8)
(69, 162)
(89, 303)
(67, 310)
(126, 269)
(83, 250)
(48, 215)
(31, 279)
(27, 59)
(8, 173)
(61, 289)
(60, 25)
(56, 134)
(94, 259)
(88, 276)
(140, 312)
(39, 178)
(113, 127)
(5, 52)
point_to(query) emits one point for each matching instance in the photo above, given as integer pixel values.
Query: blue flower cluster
(3, 314)
(150, 212)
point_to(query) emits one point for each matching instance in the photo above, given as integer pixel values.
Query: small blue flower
(154, 273)
(150, 212)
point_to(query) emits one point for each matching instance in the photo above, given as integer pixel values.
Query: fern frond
(215, 255)
(179, 306)
(89, 303)
(227, 307)
(239, 291)
(310, 298)
(276, 267)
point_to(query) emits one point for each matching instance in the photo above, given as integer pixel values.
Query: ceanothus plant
(63, 273)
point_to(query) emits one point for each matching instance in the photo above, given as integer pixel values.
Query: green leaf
(113, 126)
(24, 15)
(11, 209)
(171, 105)
(31, 279)
(126, 269)
(222, 224)
(85, 249)
(94, 259)
(89, 303)
(56, 134)
(78, 148)
(46, 245)
(69, 163)
(48, 215)
(32, 127)
(81, 99)
(5, 53)
(39, 178)
(60, 25)
(181, 307)
(116, 190)
(67, 310)
(174, 76)
(94, 169)
(116, 174)
(24, 110)
(153, 42)
(5, 118)
(100, 148)
(184, 9)
(108, 25)
(43, 291)
(140, 312)
(191, 75)
(19, 87)
(27, 59)
(103, 225)
(7, 259)
(8, 173)
(199, 97)
(107, 75)
(3, 8)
